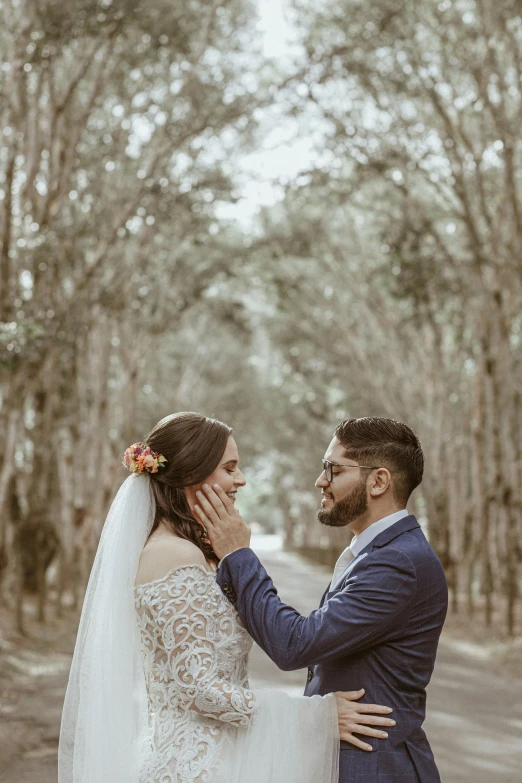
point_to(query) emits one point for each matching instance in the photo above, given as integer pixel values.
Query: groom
(380, 619)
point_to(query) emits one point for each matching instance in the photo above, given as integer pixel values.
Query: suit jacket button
(310, 675)
(229, 591)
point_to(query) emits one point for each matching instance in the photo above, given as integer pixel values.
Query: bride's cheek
(225, 482)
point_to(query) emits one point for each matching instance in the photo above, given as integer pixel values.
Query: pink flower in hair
(139, 458)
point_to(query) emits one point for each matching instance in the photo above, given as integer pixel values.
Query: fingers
(356, 695)
(350, 695)
(375, 708)
(222, 495)
(210, 510)
(203, 517)
(215, 500)
(374, 720)
(358, 729)
(347, 737)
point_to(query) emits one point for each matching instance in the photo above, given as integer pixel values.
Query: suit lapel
(404, 525)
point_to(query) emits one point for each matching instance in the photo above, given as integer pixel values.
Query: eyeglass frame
(328, 471)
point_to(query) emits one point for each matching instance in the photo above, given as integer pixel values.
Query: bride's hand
(225, 526)
(360, 718)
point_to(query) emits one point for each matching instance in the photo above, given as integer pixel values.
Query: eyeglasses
(329, 466)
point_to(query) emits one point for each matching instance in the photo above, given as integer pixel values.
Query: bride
(158, 689)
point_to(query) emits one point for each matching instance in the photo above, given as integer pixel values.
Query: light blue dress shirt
(360, 542)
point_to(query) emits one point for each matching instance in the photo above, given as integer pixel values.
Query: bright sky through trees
(282, 153)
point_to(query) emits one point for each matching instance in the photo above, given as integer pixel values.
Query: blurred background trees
(383, 279)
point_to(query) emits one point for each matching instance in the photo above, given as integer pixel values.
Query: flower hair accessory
(139, 458)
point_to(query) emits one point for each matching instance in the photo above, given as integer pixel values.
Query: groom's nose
(322, 481)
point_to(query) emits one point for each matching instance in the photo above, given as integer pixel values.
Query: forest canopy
(384, 278)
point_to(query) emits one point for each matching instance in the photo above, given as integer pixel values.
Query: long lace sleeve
(197, 631)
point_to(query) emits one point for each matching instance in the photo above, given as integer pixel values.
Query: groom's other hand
(226, 528)
(360, 718)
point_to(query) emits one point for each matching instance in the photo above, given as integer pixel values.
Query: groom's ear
(380, 482)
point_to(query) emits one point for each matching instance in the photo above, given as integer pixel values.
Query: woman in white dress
(158, 690)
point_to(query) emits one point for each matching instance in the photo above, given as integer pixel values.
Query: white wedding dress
(158, 689)
(206, 726)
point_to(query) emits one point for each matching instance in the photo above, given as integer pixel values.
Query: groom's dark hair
(385, 443)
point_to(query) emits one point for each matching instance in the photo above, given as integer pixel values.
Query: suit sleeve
(374, 605)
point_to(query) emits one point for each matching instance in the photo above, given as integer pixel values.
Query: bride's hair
(193, 446)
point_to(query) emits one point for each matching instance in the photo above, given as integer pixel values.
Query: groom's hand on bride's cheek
(225, 526)
(360, 718)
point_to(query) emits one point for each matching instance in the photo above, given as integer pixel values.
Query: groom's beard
(346, 510)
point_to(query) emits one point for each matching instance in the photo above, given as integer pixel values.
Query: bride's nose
(239, 479)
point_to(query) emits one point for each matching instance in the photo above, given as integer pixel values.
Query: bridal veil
(105, 714)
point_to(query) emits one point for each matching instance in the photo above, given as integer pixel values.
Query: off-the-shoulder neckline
(172, 570)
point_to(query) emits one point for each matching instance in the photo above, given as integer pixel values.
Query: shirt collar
(361, 541)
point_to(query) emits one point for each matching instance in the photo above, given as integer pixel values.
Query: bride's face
(227, 475)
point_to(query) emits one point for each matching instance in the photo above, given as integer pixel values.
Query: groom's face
(343, 499)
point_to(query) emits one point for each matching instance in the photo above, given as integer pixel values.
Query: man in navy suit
(380, 620)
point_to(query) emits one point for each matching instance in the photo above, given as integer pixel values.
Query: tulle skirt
(290, 739)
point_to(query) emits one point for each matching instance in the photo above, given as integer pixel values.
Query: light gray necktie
(341, 566)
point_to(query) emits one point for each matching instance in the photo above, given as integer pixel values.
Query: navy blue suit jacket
(378, 629)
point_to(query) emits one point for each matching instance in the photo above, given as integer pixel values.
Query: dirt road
(474, 721)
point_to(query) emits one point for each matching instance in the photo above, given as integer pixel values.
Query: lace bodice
(195, 656)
